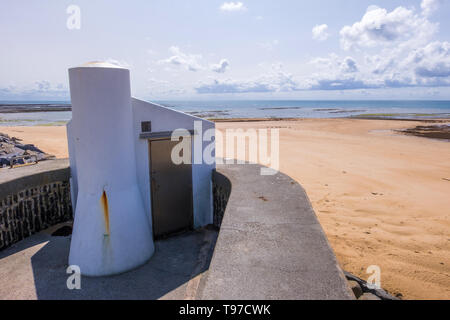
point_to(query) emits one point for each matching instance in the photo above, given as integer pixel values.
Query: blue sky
(207, 49)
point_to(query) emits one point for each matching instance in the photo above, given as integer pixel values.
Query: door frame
(166, 135)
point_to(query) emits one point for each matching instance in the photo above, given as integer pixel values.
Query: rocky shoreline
(13, 152)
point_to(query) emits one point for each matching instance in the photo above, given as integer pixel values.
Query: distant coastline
(29, 113)
(33, 107)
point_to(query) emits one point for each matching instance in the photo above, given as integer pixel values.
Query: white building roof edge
(170, 109)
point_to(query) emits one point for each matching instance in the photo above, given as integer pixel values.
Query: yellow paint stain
(104, 202)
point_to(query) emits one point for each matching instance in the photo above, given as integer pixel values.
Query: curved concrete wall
(270, 244)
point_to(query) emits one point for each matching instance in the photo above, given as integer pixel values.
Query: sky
(226, 50)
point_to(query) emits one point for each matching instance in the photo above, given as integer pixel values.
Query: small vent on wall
(146, 126)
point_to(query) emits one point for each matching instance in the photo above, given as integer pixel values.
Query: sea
(30, 113)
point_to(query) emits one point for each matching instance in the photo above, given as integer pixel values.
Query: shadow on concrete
(166, 275)
(22, 245)
(221, 193)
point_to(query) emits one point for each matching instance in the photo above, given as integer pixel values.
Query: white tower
(111, 231)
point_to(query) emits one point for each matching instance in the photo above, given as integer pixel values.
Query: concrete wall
(164, 119)
(270, 244)
(221, 194)
(33, 198)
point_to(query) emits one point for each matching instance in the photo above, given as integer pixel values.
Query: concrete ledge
(270, 245)
(18, 179)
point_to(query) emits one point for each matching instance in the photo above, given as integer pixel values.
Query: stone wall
(32, 199)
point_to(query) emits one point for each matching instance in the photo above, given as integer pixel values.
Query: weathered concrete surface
(271, 245)
(17, 179)
(35, 268)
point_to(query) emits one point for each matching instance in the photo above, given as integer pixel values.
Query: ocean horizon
(32, 112)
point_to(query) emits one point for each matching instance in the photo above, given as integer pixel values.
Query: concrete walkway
(35, 268)
(271, 245)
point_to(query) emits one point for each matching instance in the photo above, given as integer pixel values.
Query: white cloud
(348, 83)
(349, 65)
(393, 49)
(233, 6)
(380, 27)
(319, 32)
(425, 66)
(221, 67)
(178, 58)
(431, 61)
(335, 73)
(275, 81)
(407, 56)
(233, 86)
(38, 89)
(429, 6)
(334, 64)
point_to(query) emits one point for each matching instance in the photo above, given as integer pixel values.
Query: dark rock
(380, 293)
(356, 288)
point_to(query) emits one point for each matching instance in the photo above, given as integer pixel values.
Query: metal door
(171, 189)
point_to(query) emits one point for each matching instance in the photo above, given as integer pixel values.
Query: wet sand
(381, 196)
(429, 131)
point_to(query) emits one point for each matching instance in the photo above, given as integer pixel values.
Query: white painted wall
(101, 134)
(165, 119)
(106, 153)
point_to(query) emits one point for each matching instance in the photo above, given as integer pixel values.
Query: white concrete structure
(164, 119)
(111, 170)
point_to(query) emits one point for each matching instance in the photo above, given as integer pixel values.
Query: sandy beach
(383, 198)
